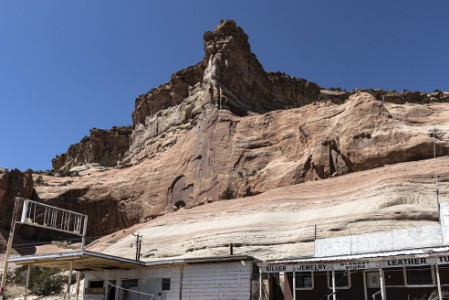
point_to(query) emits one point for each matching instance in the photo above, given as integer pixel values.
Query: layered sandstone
(105, 147)
(251, 155)
(284, 222)
(227, 124)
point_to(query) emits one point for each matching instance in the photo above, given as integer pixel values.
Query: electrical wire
(153, 296)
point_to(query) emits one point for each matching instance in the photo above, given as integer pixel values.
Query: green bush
(43, 281)
(228, 193)
(179, 204)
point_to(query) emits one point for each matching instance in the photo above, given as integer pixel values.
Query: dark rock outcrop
(13, 184)
(106, 147)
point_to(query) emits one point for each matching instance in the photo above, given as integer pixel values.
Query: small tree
(43, 281)
(228, 193)
(179, 204)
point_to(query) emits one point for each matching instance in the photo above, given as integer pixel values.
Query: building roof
(375, 256)
(83, 260)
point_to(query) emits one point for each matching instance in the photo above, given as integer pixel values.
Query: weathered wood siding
(225, 281)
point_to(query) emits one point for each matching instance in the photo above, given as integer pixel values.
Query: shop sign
(355, 265)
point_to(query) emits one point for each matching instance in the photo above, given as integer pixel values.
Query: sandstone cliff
(13, 184)
(280, 223)
(105, 147)
(226, 124)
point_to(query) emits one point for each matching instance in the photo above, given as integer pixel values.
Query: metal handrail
(375, 294)
(327, 295)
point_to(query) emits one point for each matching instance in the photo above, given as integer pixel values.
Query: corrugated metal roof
(89, 260)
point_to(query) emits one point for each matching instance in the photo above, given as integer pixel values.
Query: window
(342, 280)
(419, 276)
(304, 280)
(95, 284)
(165, 284)
(129, 283)
(373, 279)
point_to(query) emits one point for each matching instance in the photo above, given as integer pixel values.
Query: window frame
(329, 278)
(432, 273)
(166, 279)
(304, 288)
(367, 283)
(95, 282)
(129, 279)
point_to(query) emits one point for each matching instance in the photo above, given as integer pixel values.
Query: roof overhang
(88, 260)
(80, 260)
(375, 256)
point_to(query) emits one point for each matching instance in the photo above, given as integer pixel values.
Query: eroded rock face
(13, 184)
(225, 123)
(228, 78)
(106, 147)
(251, 155)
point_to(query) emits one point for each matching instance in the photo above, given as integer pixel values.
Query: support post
(69, 281)
(9, 246)
(294, 285)
(83, 241)
(27, 282)
(382, 284)
(334, 292)
(260, 284)
(440, 293)
(78, 279)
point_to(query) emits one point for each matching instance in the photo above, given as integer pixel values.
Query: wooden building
(115, 278)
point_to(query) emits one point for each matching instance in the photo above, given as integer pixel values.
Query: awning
(88, 260)
(81, 261)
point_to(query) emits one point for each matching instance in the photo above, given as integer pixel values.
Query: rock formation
(284, 222)
(105, 147)
(13, 184)
(227, 124)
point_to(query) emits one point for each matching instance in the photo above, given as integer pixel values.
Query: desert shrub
(43, 281)
(179, 204)
(39, 180)
(228, 193)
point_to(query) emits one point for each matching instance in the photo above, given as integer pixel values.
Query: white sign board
(354, 265)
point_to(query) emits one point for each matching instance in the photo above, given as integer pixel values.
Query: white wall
(223, 281)
(150, 280)
(407, 238)
(444, 217)
(217, 281)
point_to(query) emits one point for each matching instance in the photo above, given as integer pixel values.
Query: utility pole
(138, 245)
(434, 134)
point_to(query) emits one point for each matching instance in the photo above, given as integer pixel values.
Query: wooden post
(260, 284)
(83, 241)
(78, 279)
(69, 281)
(440, 293)
(27, 282)
(9, 246)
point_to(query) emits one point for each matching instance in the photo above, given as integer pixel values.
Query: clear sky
(68, 66)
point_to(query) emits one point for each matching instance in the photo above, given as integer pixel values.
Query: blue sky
(68, 66)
